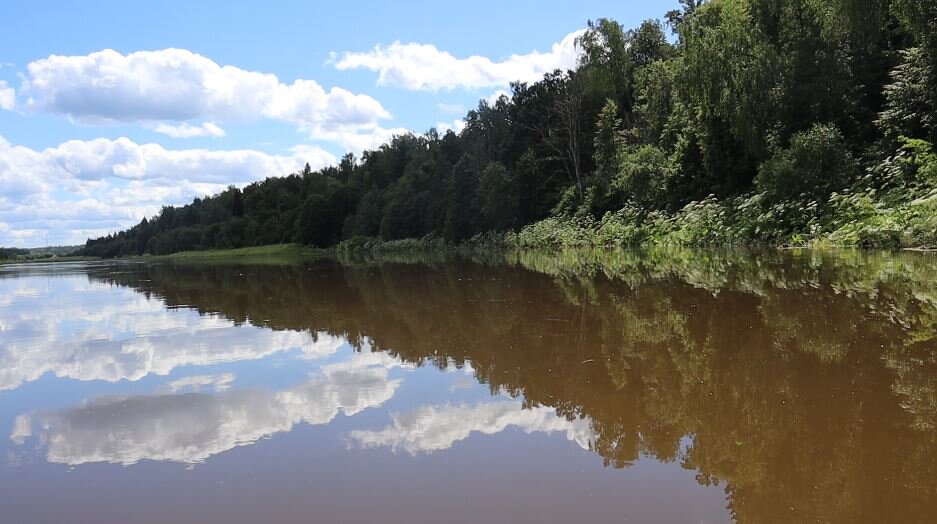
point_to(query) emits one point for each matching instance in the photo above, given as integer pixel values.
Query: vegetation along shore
(739, 122)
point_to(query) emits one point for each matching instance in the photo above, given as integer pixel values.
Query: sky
(110, 110)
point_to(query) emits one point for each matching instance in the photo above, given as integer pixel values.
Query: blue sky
(110, 109)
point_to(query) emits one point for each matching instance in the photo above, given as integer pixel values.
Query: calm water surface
(671, 387)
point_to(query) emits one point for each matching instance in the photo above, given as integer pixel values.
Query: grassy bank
(849, 220)
(45, 260)
(254, 252)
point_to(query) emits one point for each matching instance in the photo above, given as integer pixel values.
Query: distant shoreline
(47, 260)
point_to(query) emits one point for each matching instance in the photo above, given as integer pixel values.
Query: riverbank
(48, 260)
(615, 231)
(253, 252)
(849, 220)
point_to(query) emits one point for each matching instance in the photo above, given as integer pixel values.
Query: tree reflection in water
(806, 382)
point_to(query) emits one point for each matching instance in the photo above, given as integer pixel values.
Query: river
(665, 386)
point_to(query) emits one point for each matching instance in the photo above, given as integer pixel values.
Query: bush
(816, 164)
(643, 175)
(701, 223)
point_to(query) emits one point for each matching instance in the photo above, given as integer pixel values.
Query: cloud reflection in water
(435, 428)
(189, 428)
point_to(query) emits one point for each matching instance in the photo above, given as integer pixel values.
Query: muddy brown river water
(661, 386)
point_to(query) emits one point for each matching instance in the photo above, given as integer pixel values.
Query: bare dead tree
(562, 133)
(568, 107)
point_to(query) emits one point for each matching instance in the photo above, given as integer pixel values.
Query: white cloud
(7, 96)
(357, 140)
(179, 85)
(97, 186)
(192, 428)
(425, 67)
(122, 158)
(456, 126)
(492, 99)
(156, 88)
(186, 130)
(431, 428)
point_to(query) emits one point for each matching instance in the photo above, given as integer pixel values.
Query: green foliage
(12, 253)
(643, 175)
(908, 103)
(764, 122)
(921, 160)
(816, 164)
(731, 70)
(498, 196)
(37, 254)
(271, 251)
(912, 169)
(659, 111)
(609, 142)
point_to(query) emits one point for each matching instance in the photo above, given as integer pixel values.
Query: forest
(756, 122)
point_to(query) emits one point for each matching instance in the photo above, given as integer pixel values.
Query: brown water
(666, 386)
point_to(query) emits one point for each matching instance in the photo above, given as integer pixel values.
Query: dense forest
(731, 121)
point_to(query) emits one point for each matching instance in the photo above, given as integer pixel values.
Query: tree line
(790, 117)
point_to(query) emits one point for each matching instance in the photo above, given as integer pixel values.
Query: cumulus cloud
(7, 96)
(96, 186)
(356, 140)
(455, 126)
(191, 428)
(186, 130)
(156, 88)
(83, 188)
(122, 158)
(493, 98)
(179, 85)
(17, 178)
(431, 428)
(417, 66)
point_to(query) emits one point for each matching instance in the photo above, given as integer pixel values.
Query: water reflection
(197, 383)
(435, 428)
(68, 327)
(192, 427)
(803, 383)
(802, 377)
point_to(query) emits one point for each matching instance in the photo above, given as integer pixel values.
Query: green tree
(608, 142)
(237, 203)
(643, 175)
(817, 163)
(461, 209)
(499, 197)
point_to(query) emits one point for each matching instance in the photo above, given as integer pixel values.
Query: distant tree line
(7, 253)
(15, 253)
(782, 102)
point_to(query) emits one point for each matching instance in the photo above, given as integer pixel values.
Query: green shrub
(701, 223)
(816, 164)
(643, 175)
